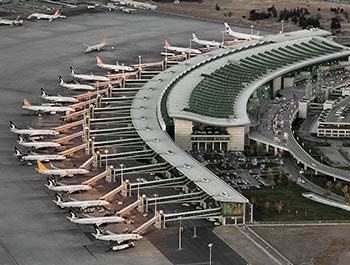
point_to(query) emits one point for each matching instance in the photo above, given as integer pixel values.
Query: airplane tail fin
(61, 80)
(26, 102)
(98, 232)
(57, 13)
(41, 166)
(18, 153)
(58, 199)
(104, 39)
(50, 183)
(72, 216)
(43, 93)
(194, 37)
(227, 27)
(166, 43)
(12, 126)
(72, 70)
(98, 60)
(21, 139)
(18, 18)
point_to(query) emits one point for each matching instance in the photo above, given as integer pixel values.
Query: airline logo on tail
(57, 13)
(166, 43)
(194, 37)
(99, 61)
(26, 102)
(41, 166)
(227, 27)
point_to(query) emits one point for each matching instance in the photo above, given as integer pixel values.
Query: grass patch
(295, 206)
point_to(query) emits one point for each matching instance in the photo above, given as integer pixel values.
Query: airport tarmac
(33, 230)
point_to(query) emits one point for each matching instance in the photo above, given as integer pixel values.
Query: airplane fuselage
(91, 77)
(96, 47)
(78, 87)
(49, 109)
(82, 204)
(69, 188)
(120, 238)
(182, 49)
(35, 157)
(96, 220)
(34, 132)
(64, 172)
(60, 99)
(115, 68)
(38, 145)
(11, 22)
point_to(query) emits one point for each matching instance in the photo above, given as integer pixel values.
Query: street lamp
(180, 233)
(155, 203)
(282, 23)
(140, 65)
(106, 153)
(138, 187)
(223, 37)
(121, 173)
(251, 29)
(210, 249)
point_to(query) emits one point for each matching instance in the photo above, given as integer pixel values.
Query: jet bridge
(109, 120)
(69, 125)
(142, 154)
(197, 214)
(122, 142)
(159, 168)
(125, 131)
(69, 137)
(178, 198)
(109, 110)
(73, 150)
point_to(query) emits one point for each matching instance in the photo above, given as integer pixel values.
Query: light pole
(138, 187)
(194, 232)
(155, 203)
(180, 234)
(190, 48)
(251, 29)
(106, 153)
(121, 173)
(140, 65)
(210, 248)
(282, 24)
(223, 37)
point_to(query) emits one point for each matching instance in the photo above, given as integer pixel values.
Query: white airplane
(30, 131)
(240, 36)
(95, 220)
(206, 43)
(79, 204)
(62, 172)
(66, 188)
(52, 109)
(90, 77)
(15, 22)
(75, 86)
(182, 50)
(56, 15)
(115, 67)
(58, 98)
(119, 238)
(97, 47)
(36, 157)
(36, 144)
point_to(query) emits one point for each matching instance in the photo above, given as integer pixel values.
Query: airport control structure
(159, 112)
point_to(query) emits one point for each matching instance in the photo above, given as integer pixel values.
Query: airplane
(97, 47)
(30, 131)
(75, 86)
(52, 109)
(69, 172)
(240, 36)
(95, 220)
(56, 15)
(90, 77)
(66, 188)
(115, 67)
(124, 246)
(15, 22)
(38, 157)
(36, 144)
(206, 43)
(182, 50)
(58, 98)
(79, 204)
(119, 238)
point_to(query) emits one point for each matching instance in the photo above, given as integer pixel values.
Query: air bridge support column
(183, 131)
(276, 85)
(237, 137)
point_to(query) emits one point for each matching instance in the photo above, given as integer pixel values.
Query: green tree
(267, 205)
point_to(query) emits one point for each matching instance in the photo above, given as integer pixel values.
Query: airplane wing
(53, 166)
(86, 45)
(110, 233)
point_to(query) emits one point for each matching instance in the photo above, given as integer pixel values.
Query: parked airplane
(30, 131)
(119, 238)
(56, 15)
(79, 204)
(115, 67)
(90, 77)
(206, 43)
(36, 144)
(15, 22)
(95, 220)
(52, 109)
(182, 50)
(97, 47)
(62, 172)
(75, 86)
(36, 157)
(66, 188)
(240, 36)
(58, 98)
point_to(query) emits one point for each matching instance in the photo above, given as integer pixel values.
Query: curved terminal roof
(218, 85)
